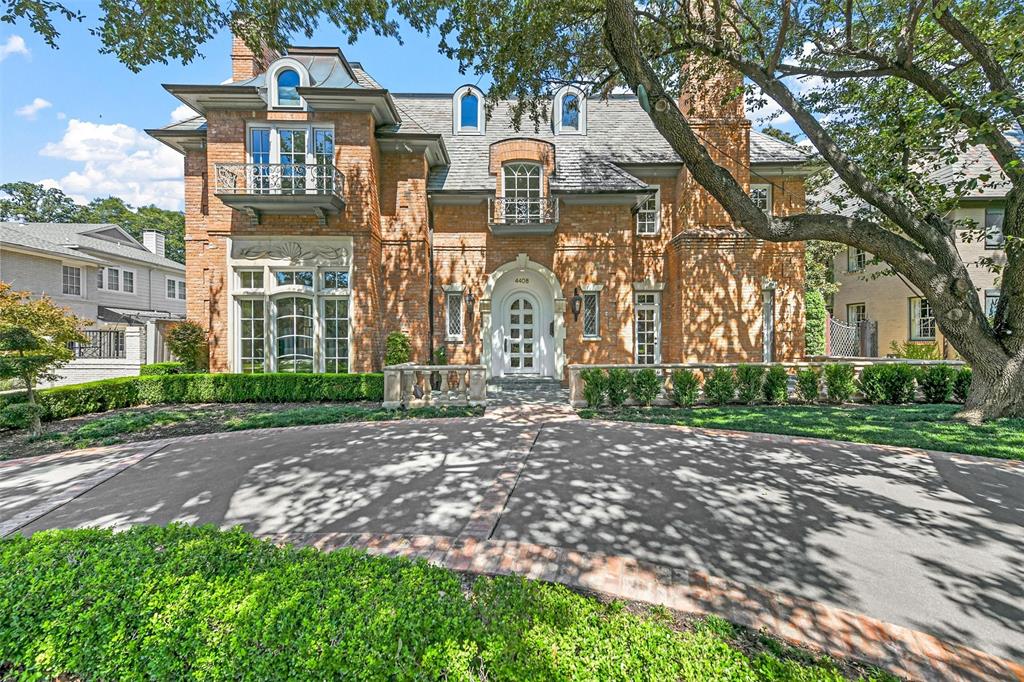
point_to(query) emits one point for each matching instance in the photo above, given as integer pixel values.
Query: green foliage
(839, 383)
(109, 394)
(819, 277)
(936, 382)
(32, 203)
(913, 350)
(398, 349)
(685, 387)
(595, 386)
(808, 385)
(891, 383)
(776, 385)
(617, 387)
(645, 386)
(160, 368)
(719, 386)
(749, 383)
(187, 341)
(106, 430)
(962, 385)
(814, 324)
(441, 356)
(20, 415)
(336, 414)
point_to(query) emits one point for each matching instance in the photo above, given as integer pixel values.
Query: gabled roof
(88, 241)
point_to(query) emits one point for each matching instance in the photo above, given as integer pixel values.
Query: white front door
(521, 342)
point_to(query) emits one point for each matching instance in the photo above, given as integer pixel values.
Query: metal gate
(851, 339)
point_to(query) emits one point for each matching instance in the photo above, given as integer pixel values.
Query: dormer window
(284, 78)
(570, 111)
(287, 89)
(468, 111)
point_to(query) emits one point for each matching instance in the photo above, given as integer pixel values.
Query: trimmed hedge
(160, 368)
(110, 394)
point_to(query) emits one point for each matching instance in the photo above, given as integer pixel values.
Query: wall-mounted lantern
(470, 300)
(576, 303)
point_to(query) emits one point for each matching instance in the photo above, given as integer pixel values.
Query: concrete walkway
(928, 542)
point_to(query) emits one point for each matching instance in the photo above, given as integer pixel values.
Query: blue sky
(73, 118)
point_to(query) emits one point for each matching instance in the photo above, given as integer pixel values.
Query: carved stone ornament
(292, 251)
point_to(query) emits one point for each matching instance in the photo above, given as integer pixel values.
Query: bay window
(293, 323)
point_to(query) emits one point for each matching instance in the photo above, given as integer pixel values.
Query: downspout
(430, 283)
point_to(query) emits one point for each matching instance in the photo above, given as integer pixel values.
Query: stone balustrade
(664, 371)
(411, 385)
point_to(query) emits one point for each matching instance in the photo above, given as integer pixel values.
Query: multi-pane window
(453, 306)
(922, 320)
(856, 313)
(176, 288)
(647, 218)
(294, 332)
(591, 314)
(323, 155)
(71, 280)
(994, 237)
(252, 334)
(522, 183)
(335, 335)
(113, 279)
(101, 276)
(991, 302)
(259, 151)
(303, 278)
(648, 328)
(856, 259)
(292, 160)
(128, 281)
(335, 279)
(116, 279)
(761, 195)
(250, 279)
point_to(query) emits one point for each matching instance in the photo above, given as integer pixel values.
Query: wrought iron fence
(523, 210)
(278, 178)
(851, 339)
(101, 345)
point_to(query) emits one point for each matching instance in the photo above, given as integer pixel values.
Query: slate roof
(619, 134)
(327, 68)
(21, 234)
(70, 239)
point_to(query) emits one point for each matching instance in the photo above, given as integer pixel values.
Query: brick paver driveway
(928, 541)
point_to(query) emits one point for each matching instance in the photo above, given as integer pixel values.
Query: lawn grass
(109, 430)
(336, 414)
(929, 427)
(187, 602)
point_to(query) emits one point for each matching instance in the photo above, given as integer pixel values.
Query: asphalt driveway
(932, 542)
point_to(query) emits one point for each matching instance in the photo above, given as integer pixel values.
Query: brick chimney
(246, 64)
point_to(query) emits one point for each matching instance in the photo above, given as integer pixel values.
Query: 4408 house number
(522, 280)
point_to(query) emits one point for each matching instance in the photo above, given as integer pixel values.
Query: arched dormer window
(468, 111)
(570, 111)
(284, 78)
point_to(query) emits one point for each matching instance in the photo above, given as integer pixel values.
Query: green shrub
(645, 386)
(685, 387)
(962, 385)
(814, 322)
(441, 356)
(808, 385)
(936, 382)
(888, 383)
(871, 384)
(20, 415)
(776, 385)
(749, 383)
(398, 349)
(720, 386)
(914, 350)
(187, 341)
(159, 368)
(839, 384)
(617, 388)
(595, 386)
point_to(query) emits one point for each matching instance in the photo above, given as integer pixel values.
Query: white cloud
(182, 113)
(13, 45)
(29, 111)
(117, 160)
(61, 116)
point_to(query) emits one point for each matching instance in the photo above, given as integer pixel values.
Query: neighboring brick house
(323, 212)
(869, 291)
(127, 291)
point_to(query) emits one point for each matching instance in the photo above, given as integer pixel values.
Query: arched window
(468, 111)
(571, 112)
(287, 88)
(469, 115)
(523, 192)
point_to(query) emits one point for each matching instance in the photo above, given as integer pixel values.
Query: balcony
(280, 189)
(522, 215)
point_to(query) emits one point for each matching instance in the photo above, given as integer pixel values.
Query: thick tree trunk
(997, 390)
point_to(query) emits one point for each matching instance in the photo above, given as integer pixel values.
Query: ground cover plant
(199, 603)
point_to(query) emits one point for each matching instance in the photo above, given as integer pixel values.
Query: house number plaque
(522, 280)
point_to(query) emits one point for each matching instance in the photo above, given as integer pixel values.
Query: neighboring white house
(129, 291)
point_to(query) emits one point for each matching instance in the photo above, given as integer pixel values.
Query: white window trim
(299, 289)
(178, 281)
(337, 292)
(452, 291)
(596, 293)
(275, 128)
(272, 73)
(766, 186)
(990, 293)
(457, 128)
(656, 306)
(852, 251)
(915, 302)
(990, 244)
(849, 306)
(249, 290)
(81, 280)
(120, 280)
(320, 337)
(556, 111)
(657, 215)
(237, 314)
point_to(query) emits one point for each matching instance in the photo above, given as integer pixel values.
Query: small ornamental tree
(398, 349)
(187, 341)
(35, 334)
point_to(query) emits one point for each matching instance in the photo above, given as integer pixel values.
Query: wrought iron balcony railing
(523, 211)
(278, 179)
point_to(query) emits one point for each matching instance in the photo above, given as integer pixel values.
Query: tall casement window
(292, 318)
(71, 280)
(648, 220)
(761, 195)
(522, 183)
(994, 237)
(454, 315)
(291, 160)
(856, 313)
(648, 328)
(922, 320)
(468, 111)
(856, 259)
(591, 314)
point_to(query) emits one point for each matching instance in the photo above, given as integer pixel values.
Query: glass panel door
(520, 353)
(323, 153)
(648, 329)
(293, 161)
(259, 150)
